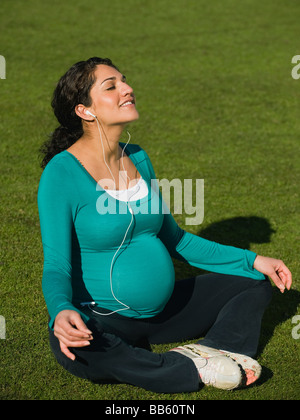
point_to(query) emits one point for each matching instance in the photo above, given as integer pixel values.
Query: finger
(68, 328)
(76, 334)
(64, 346)
(286, 276)
(75, 343)
(277, 281)
(71, 334)
(67, 352)
(77, 321)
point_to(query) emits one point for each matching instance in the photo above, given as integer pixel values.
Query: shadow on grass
(240, 232)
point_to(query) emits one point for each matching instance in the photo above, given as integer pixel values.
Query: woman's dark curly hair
(72, 89)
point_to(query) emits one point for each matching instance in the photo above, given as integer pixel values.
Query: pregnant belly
(143, 277)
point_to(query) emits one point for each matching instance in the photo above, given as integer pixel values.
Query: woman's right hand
(71, 331)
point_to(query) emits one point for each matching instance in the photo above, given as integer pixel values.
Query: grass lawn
(217, 102)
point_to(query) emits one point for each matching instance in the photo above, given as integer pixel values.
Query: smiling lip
(128, 103)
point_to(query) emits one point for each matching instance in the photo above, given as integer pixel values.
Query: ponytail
(61, 139)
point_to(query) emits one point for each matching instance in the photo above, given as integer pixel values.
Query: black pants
(227, 310)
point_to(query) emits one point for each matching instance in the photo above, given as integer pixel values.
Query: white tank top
(137, 192)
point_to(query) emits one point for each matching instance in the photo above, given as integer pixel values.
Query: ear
(81, 111)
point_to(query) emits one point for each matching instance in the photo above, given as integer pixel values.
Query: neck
(97, 139)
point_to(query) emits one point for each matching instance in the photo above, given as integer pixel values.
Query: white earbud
(89, 113)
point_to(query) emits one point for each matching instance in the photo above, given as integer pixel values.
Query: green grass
(216, 100)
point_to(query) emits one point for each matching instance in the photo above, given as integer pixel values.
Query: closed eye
(123, 80)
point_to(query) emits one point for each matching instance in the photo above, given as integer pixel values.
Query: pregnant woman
(108, 243)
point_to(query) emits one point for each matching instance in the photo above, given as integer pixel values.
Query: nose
(126, 89)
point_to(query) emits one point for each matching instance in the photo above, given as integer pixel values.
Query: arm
(206, 254)
(221, 258)
(56, 222)
(56, 209)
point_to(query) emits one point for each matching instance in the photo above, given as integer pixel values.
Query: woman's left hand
(276, 270)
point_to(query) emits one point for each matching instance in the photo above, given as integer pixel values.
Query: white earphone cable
(126, 307)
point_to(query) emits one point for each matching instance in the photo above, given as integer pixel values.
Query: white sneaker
(215, 369)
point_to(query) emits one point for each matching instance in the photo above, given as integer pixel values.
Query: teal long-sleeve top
(82, 227)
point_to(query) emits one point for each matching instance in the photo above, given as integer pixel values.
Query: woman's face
(113, 100)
